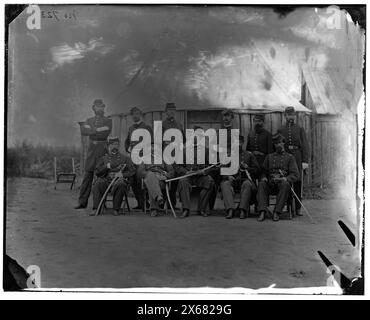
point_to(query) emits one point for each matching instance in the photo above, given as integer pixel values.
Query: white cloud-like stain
(66, 54)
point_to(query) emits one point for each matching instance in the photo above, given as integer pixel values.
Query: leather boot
(229, 214)
(243, 214)
(185, 213)
(80, 206)
(204, 214)
(298, 212)
(261, 216)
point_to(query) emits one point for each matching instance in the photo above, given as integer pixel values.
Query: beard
(279, 149)
(99, 113)
(114, 150)
(258, 127)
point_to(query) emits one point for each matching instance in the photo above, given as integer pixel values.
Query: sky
(224, 57)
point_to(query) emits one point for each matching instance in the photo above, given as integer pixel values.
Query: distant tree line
(27, 160)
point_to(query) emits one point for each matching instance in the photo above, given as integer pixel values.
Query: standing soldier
(171, 123)
(227, 123)
(245, 178)
(278, 172)
(296, 144)
(98, 129)
(113, 164)
(259, 140)
(137, 117)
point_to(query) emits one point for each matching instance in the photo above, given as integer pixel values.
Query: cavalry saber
(104, 195)
(300, 202)
(107, 190)
(169, 200)
(195, 173)
(179, 178)
(302, 177)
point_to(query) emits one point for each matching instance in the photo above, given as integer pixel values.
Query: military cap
(197, 127)
(133, 109)
(170, 105)
(98, 103)
(228, 111)
(113, 140)
(259, 116)
(289, 110)
(277, 138)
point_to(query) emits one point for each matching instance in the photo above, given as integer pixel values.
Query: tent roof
(239, 79)
(328, 92)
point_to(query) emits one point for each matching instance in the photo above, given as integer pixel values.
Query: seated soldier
(202, 180)
(278, 172)
(113, 164)
(245, 178)
(154, 176)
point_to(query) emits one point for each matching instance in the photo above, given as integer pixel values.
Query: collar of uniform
(138, 123)
(280, 154)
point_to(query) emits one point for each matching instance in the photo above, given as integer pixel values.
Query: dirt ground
(74, 250)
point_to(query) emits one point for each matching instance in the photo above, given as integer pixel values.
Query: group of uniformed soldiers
(270, 164)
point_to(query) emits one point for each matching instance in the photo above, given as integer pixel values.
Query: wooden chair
(64, 177)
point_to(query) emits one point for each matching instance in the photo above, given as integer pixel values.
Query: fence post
(73, 165)
(55, 169)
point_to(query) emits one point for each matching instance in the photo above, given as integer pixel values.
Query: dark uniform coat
(141, 125)
(118, 162)
(280, 161)
(260, 141)
(277, 165)
(97, 144)
(295, 143)
(168, 124)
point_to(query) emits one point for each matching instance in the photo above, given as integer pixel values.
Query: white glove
(304, 165)
(108, 165)
(118, 174)
(102, 129)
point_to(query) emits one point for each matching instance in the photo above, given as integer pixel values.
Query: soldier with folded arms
(98, 129)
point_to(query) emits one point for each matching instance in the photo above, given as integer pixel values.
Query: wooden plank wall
(325, 135)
